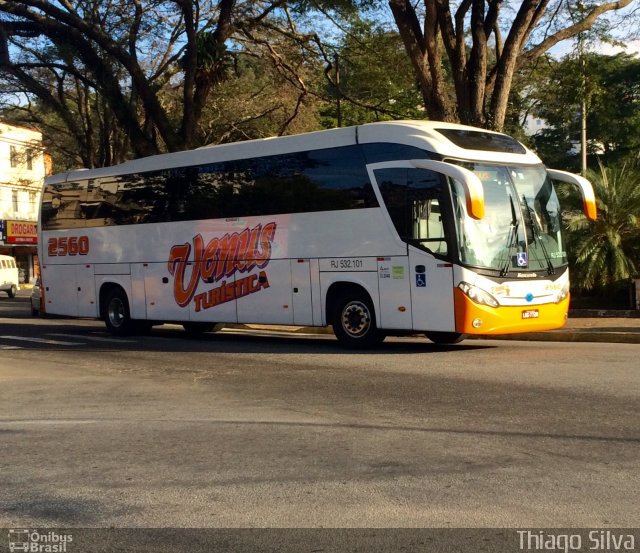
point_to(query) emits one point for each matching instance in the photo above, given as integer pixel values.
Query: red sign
(22, 232)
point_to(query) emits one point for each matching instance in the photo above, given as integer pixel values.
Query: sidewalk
(612, 329)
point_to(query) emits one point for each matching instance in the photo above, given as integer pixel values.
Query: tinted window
(61, 205)
(383, 151)
(414, 200)
(321, 180)
(484, 141)
(300, 182)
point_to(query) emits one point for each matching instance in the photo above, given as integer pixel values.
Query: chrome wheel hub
(356, 319)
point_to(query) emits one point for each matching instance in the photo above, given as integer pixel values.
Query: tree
(156, 75)
(607, 250)
(613, 99)
(154, 63)
(376, 80)
(482, 71)
(81, 131)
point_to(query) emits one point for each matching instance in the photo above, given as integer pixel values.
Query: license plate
(530, 314)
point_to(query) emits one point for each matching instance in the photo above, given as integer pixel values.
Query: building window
(13, 156)
(14, 200)
(33, 202)
(30, 155)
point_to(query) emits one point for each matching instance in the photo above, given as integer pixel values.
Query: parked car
(36, 298)
(9, 280)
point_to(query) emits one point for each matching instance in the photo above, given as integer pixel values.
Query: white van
(8, 275)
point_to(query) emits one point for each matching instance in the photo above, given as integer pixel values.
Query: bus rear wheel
(354, 322)
(117, 316)
(11, 292)
(444, 338)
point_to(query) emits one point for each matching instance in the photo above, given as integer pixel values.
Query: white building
(23, 165)
(533, 125)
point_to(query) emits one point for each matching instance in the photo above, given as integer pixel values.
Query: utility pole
(583, 98)
(583, 109)
(339, 94)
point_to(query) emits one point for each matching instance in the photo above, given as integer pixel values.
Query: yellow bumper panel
(507, 319)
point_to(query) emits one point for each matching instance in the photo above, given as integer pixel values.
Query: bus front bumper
(473, 318)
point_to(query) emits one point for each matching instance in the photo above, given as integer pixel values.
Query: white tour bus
(384, 228)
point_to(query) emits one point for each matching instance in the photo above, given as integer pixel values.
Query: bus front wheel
(354, 322)
(117, 316)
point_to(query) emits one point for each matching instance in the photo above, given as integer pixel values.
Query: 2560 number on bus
(72, 245)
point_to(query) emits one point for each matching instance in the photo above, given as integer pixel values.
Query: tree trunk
(425, 56)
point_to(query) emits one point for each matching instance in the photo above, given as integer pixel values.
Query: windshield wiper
(537, 237)
(512, 239)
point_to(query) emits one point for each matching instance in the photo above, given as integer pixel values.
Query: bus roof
(446, 139)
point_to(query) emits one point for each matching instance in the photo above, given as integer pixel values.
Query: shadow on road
(53, 333)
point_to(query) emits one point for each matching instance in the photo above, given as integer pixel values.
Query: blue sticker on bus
(521, 259)
(421, 280)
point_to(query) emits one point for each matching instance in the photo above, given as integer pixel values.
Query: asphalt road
(247, 429)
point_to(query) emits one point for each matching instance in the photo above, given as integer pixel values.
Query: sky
(632, 47)
(569, 46)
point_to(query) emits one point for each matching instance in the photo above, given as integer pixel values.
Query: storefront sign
(21, 232)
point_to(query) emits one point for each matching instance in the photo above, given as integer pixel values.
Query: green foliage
(210, 51)
(376, 78)
(255, 102)
(345, 7)
(607, 250)
(611, 87)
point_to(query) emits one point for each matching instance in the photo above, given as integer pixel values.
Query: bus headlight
(478, 295)
(563, 293)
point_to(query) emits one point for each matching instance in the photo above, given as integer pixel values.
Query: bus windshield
(521, 229)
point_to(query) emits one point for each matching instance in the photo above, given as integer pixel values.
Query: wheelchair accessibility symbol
(521, 259)
(421, 280)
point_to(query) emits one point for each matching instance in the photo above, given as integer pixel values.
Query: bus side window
(328, 179)
(62, 205)
(100, 207)
(413, 200)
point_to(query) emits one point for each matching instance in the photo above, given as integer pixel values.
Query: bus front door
(415, 194)
(431, 292)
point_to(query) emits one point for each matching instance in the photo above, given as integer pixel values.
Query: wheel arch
(340, 287)
(105, 290)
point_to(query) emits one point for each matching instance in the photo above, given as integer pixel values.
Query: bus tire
(117, 317)
(11, 292)
(196, 328)
(444, 338)
(354, 322)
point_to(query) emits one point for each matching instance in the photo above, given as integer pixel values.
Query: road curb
(604, 314)
(555, 336)
(548, 336)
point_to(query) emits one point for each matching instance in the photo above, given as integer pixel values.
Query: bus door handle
(421, 269)
(165, 280)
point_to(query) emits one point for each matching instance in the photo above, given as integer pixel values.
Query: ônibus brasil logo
(219, 260)
(38, 541)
